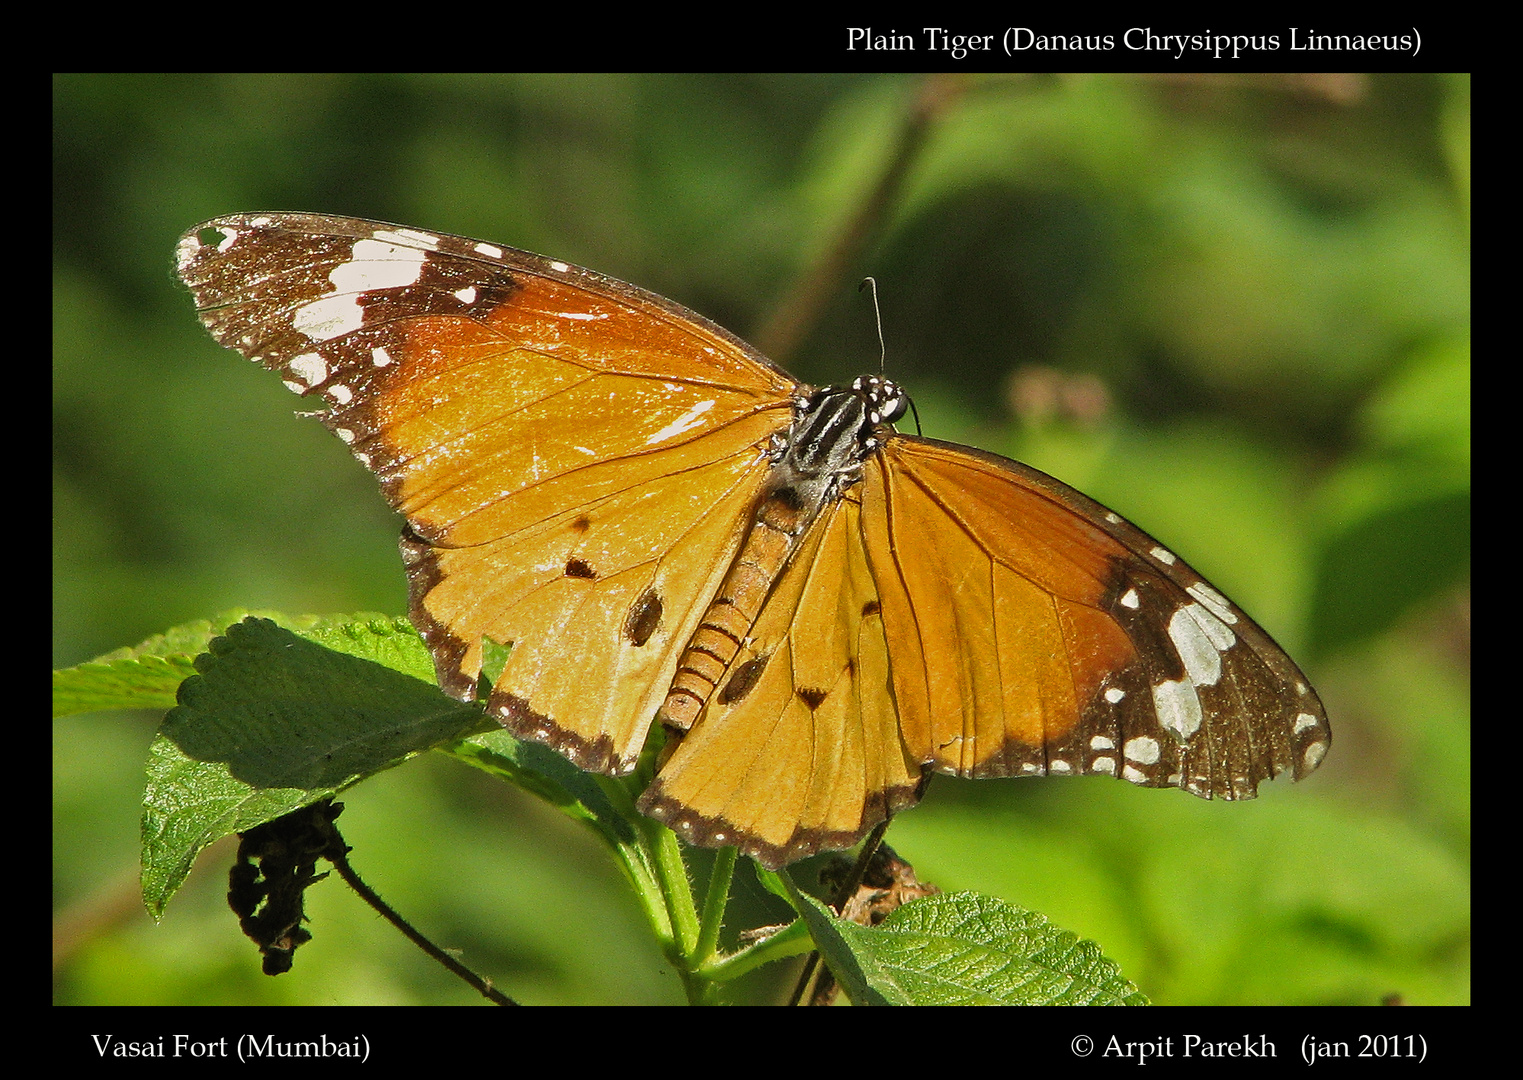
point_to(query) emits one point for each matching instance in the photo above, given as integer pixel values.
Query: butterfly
(668, 529)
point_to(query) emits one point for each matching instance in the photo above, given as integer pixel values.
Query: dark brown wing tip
(594, 755)
(1311, 737)
(702, 831)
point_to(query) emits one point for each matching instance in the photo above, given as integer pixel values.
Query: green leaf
(850, 952)
(148, 675)
(142, 676)
(192, 638)
(965, 949)
(149, 682)
(274, 721)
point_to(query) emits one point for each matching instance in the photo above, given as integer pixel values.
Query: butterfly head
(886, 401)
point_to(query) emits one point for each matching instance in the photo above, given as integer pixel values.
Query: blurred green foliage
(1235, 309)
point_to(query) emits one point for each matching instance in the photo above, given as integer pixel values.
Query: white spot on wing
(686, 422)
(466, 295)
(1130, 599)
(404, 236)
(491, 251)
(309, 367)
(1163, 555)
(1178, 708)
(1215, 601)
(328, 318)
(185, 251)
(1114, 694)
(1200, 637)
(1142, 749)
(373, 265)
(190, 245)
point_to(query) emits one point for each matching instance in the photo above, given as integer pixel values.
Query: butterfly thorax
(833, 431)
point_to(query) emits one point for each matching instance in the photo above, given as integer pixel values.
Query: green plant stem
(714, 902)
(677, 898)
(648, 890)
(671, 873)
(791, 940)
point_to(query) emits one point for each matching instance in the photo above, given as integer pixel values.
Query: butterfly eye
(893, 407)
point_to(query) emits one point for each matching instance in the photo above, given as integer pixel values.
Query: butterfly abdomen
(776, 526)
(819, 458)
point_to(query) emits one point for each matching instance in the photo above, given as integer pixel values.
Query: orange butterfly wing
(1033, 631)
(575, 458)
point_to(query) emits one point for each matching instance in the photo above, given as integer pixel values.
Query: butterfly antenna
(877, 314)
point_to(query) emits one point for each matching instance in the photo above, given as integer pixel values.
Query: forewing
(575, 457)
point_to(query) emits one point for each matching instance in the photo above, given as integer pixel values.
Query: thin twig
(847, 890)
(800, 309)
(482, 985)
